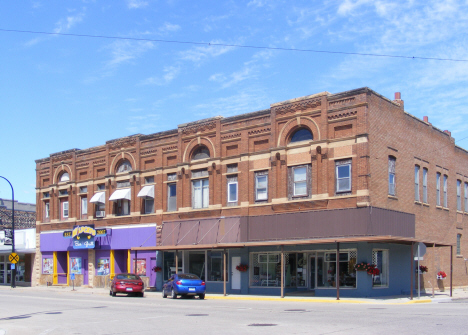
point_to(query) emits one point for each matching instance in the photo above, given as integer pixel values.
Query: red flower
(242, 267)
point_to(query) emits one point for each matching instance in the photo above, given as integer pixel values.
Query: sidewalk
(458, 293)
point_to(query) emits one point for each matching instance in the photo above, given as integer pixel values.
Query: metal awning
(123, 193)
(146, 191)
(99, 197)
(368, 239)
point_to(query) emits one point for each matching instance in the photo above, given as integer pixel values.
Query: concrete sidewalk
(458, 293)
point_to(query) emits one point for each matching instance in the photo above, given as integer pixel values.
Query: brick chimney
(426, 119)
(399, 101)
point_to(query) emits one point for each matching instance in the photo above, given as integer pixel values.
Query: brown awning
(368, 239)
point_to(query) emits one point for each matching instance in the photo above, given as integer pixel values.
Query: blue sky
(64, 92)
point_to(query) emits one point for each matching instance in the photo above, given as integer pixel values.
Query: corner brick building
(283, 191)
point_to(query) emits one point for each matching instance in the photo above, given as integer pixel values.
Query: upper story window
(458, 244)
(64, 209)
(84, 207)
(200, 193)
(83, 189)
(425, 185)
(46, 195)
(123, 183)
(47, 210)
(63, 192)
(64, 177)
(261, 185)
(459, 207)
(232, 189)
(391, 175)
(302, 134)
(343, 176)
(149, 180)
(416, 183)
(125, 166)
(231, 168)
(299, 181)
(438, 189)
(101, 187)
(466, 197)
(171, 197)
(445, 191)
(201, 152)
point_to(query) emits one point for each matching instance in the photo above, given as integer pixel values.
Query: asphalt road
(44, 312)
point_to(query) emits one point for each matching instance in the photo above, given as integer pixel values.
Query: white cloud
(135, 4)
(170, 73)
(169, 27)
(256, 3)
(124, 51)
(218, 77)
(200, 53)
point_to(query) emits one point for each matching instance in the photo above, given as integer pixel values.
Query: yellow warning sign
(13, 258)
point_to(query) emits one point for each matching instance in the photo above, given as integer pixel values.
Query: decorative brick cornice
(295, 106)
(99, 161)
(342, 115)
(229, 136)
(149, 152)
(342, 102)
(122, 143)
(198, 127)
(170, 148)
(80, 165)
(259, 131)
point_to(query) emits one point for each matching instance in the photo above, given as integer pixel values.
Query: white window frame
(466, 197)
(258, 176)
(200, 193)
(47, 210)
(339, 165)
(416, 183)
(459, 244)
(169, 185)
(65, 207)
(84, 206)
(438, 175)
(235, 184)
(425, 185)
(124, 204)
(300, 181)
(459, 206)
(445, 191)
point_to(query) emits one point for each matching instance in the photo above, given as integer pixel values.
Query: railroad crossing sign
(13, 258)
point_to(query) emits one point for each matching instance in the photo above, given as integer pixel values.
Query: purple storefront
(98, 256)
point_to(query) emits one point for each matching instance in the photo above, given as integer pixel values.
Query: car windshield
(128, 276)
(188, 276)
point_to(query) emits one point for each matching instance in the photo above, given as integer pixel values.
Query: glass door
(312, 271)
(2, 273)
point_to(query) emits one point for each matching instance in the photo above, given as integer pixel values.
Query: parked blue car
(184, 284)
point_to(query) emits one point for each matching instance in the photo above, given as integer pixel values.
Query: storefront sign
(84, 230)
(83, 237)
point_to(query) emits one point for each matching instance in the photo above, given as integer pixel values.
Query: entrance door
(235, 274)
(152, 276)
(312, 272)
(85, 271)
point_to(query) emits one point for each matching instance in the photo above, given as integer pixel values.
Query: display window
(75, 265)
(380, 260)
(140, 266)
(103, 267)
(215, 266)
(47, 266)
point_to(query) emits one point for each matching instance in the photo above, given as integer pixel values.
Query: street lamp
(13, 272)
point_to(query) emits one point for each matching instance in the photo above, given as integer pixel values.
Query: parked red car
(127, 283)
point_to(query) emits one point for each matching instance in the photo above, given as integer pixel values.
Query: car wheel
(164, 295)
(173, 294)
(114, 294)
(141, 295)
(201, 296)
(110, 292)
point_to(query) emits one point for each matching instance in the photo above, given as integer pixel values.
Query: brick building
(299, 193)
(25, 238)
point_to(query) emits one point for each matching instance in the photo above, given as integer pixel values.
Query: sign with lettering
(67, 234)
(101, 232)
(83, 237)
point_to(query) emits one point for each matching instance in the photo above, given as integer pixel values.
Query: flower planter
(440, 277)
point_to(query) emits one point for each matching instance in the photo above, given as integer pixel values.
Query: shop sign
(83, 236)
(8, 237)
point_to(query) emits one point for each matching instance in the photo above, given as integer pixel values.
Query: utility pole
(13, 272)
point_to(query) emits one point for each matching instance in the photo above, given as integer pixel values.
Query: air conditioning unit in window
(100, 214)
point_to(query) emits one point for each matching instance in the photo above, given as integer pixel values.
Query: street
(29, 311)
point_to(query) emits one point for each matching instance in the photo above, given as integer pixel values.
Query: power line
(233, 45)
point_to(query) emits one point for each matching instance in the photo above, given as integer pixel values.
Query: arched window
(64, 177)
(200, 153)
(302, 134)
(125, 166)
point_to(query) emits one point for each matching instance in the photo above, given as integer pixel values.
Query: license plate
(191, 289)
(129, 289)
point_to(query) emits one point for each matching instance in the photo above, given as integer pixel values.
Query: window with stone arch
(201, 152)
(64, 177)
(124, 166)
(300, 135)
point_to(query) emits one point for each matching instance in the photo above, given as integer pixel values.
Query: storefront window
(197, 264)
(266, 270)
(75, 265)
(47, 266)
(215, 266)
(103, 268)
(140, 267)
(326, 269)
(380, 260)
(21, 270)
(169, 263)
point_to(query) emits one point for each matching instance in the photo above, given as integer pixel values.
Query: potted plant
(157, 269)
(242, 267)
(363, 266)
(423, 269)
(441, 275)
(373, 270)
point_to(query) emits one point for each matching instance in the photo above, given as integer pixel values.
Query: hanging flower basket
(422, 269)
(363, 266)
(441, 275)
(242, 267)
(157, 269)
(373, 270)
